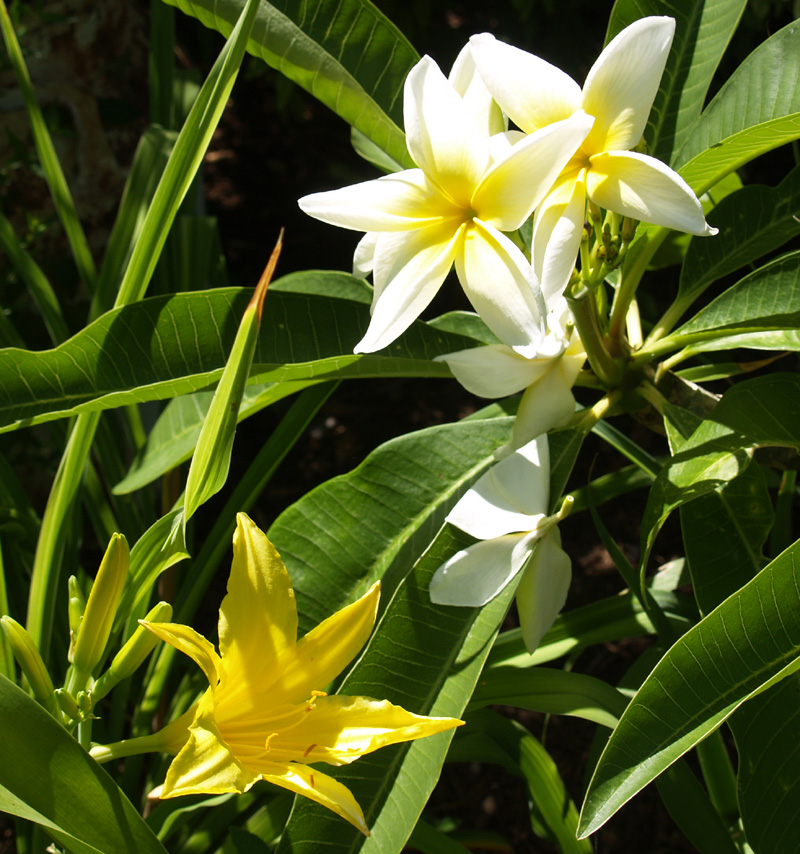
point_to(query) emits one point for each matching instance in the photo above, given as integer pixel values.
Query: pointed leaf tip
(257, 301)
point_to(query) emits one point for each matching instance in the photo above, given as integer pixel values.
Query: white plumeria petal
(547, 404)
(543, 589)
(364, 256)
(530, 91)
(646, 189)
(622, 84)
(514, 185)
(398, 202)
(475, 575)
(441, 135)
(499, 283)
(512, 496)
(557, 230)
(465, 79)
(408, 273)
(493, 371)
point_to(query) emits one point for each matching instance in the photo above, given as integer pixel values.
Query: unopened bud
(595, 214)
(30, 662)
(75, 609)
(84, 702)
(588, 231)
(68, 705)
(140, 644)
(101, 608)
(628, 229)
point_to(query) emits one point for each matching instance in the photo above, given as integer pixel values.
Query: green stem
(50, 545)
(715, 763)
(631, 276)
(102, 753)
(585, 315)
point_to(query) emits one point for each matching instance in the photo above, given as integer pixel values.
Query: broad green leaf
(48, 778)
(751, 222)
(376, 520)
(607, 620)
(175, 433)
(766, 300)
(426, 658)
(167, 346)
(704, 170)
(552, 691)
(747, 644)
(762, 89)
(702, 32)
(347, 54)
(724, 533)
(764, 411)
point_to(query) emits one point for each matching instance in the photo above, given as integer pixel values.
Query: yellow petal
(189, 642)
(340, 729)
(319, 787)
(409, 270)
(557, 230)
(258, 617)
(646, 189)
(622, 84)
(326, 650)
(531, 91)
(205, 765)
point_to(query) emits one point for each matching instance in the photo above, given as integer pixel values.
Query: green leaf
(212, 456)
(751, 222)
(348, 54)
(766, 301)
(186, 157)
(376, 520)
(724, 533)
(702, 32)
(54, 174)
(608, 620)
(175, 433)
(703, 171)
(48, 778)
(167, 346)
(426, 658)
(554, 692)
(748, 643)
(762, 89)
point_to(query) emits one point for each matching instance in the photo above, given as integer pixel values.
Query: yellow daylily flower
(618, 93)
(264, 715)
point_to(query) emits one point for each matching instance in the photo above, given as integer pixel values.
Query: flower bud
(101, 608)
(76, 607)
(30, 662)
(68, 705)
(133, 653)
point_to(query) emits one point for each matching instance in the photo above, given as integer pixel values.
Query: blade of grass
(54, 175)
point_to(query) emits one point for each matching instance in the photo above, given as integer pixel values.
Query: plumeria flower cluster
(575, 153)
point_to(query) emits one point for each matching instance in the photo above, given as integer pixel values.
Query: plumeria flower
(619, 92)
(506, 510)
(470, 187)
(547, 377)
(264, 715)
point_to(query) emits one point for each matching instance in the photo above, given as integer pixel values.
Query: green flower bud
(133, 653)
(76, 607)
(30, 662)
(101, 608)
(68, 705)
